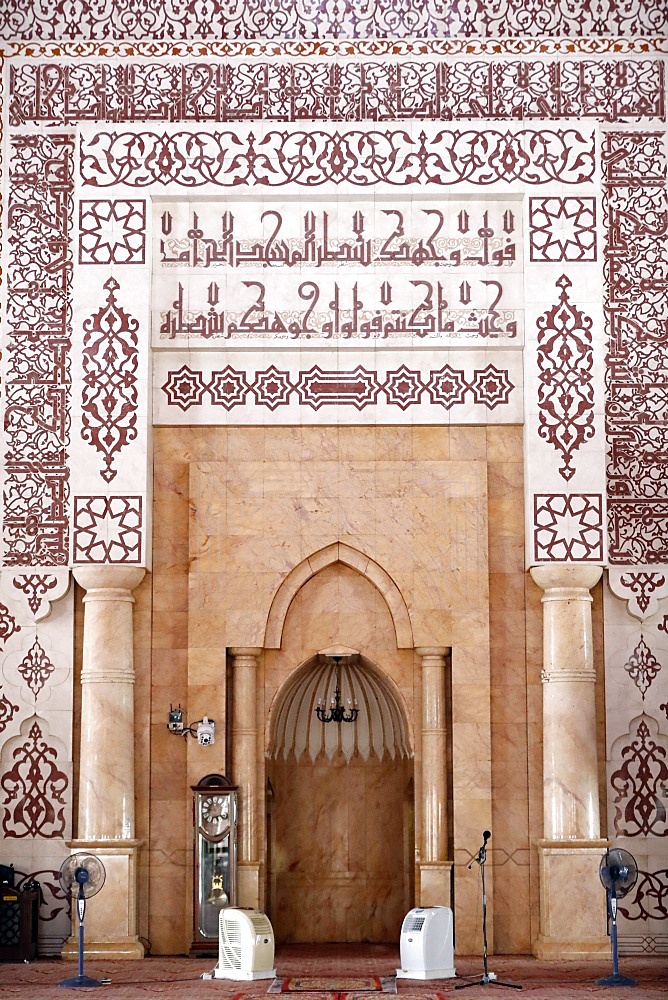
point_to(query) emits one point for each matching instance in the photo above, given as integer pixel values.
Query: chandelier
(337, 712)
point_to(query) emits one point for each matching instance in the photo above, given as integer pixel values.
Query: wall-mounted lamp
(203, 731)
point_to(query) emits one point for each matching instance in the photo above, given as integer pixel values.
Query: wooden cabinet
(18, 924)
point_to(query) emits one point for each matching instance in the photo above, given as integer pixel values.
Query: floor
(179, 978)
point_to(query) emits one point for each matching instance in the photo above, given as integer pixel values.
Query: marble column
(106, 821)
(245, 772)
(434, 866)
(572, 901)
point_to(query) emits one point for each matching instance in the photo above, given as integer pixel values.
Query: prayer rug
(334, 984)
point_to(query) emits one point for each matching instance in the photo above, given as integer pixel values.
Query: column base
(434, 884)
(110, 926)
(132, 948)
(250, 884)
(573, 904)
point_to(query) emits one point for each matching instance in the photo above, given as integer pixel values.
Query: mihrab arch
(348, 556)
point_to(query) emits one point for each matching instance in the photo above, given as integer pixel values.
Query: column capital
(561, 576)
(245, 651)
(108, 577)
(431, 652)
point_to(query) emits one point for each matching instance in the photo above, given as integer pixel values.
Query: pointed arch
(348, 556)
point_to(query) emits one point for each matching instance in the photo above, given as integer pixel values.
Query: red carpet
(178, 978)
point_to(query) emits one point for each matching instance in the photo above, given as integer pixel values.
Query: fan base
(80, 981)
(616, 980)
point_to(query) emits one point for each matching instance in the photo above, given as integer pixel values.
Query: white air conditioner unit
(425, 948)
(245, 945)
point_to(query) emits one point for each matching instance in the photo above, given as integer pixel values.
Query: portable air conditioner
(425, 949)
(245, 945)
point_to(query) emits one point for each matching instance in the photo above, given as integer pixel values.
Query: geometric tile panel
(112, 232)
(188, 387)
(562, 229)
(107, 529)
(568, 527)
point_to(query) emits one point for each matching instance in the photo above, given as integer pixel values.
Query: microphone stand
(487, 980)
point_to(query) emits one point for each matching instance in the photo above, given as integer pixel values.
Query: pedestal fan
(81, 876)
(618, 873)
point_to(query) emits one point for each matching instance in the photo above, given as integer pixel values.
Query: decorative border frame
(312, 20)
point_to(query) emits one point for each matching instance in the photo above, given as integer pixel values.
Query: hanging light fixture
(337, 712)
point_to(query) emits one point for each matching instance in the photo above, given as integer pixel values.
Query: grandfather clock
(215, 862)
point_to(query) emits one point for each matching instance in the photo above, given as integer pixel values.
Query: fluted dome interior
(379, 729)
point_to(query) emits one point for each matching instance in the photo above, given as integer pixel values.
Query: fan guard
(618, 871)
(82, 872)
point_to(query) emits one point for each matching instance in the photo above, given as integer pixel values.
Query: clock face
(215, 812)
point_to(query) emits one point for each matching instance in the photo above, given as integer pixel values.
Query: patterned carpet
(334, 984)
(179, 978)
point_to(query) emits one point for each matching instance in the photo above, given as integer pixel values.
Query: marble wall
(341, 849)
(442, 510)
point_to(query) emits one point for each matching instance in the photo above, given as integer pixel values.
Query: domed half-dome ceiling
(379, 728)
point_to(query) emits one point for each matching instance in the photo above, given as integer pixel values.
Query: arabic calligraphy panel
(447, 272)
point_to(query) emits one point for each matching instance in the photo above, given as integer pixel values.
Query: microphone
(480, 857)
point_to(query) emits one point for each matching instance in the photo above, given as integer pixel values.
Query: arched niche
(340, 822)
(380, 730)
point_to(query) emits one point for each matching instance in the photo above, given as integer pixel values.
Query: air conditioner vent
(416, 924)
(261, 923)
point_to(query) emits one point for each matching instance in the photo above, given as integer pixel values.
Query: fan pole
(616, 979)
(81, 910)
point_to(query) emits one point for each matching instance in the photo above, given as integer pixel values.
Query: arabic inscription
(446, 272)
